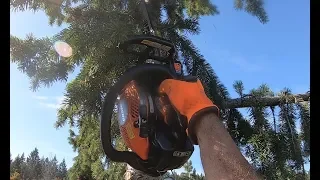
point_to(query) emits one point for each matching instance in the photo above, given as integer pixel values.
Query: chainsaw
(150, 126)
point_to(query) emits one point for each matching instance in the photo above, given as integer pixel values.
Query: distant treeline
(36, 168)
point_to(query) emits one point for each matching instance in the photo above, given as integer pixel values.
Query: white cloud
(50, 105)
(40, 97)
(50, 102)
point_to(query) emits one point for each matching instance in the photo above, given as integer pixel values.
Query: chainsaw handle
(148, 40)
(108, 105)
(151, 42)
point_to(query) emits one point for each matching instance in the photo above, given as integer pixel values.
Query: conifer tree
(94, 29)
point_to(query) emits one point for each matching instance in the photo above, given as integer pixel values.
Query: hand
(189, 99)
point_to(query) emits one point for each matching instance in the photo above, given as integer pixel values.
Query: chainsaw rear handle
(108, 105)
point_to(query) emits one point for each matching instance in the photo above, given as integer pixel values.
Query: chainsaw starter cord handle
(108, 105)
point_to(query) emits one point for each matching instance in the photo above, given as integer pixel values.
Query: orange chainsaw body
(130, 133)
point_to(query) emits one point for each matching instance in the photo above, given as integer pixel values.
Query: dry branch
(264, 101)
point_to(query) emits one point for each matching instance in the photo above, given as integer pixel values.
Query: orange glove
(190, 100)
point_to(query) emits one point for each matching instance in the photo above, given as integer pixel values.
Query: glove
(190, 100)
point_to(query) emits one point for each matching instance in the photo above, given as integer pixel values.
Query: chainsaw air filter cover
(129, 103)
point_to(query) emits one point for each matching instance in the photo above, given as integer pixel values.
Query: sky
(236, 44)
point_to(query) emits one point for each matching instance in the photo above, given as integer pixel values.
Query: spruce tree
(33, 165)
(94, 29)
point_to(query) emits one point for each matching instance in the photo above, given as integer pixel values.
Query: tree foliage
(274, 146)
(93, 30)
(189, 173)
(34, 167)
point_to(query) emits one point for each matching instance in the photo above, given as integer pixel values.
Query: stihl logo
(181, 154)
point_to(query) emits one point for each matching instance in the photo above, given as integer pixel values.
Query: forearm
(221, 158)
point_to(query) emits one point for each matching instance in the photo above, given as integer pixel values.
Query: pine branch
(264, 101)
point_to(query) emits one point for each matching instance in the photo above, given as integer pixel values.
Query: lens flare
(63, 49)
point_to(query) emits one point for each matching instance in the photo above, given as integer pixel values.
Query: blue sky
(237, 46)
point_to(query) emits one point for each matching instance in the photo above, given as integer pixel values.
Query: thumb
(166, 86)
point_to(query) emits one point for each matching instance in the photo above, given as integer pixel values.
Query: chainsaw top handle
(108, 105)
(152, 43)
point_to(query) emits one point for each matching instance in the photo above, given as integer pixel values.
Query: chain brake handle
(108, 105)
